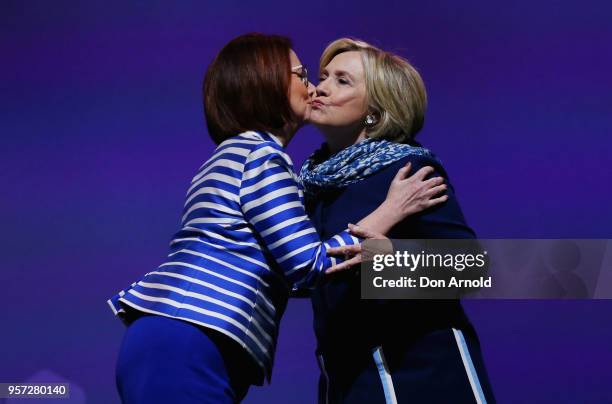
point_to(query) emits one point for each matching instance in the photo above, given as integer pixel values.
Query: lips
(317, 104)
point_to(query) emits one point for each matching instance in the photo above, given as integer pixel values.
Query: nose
(321, 89)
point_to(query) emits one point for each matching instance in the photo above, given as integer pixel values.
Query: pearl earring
(370, 120)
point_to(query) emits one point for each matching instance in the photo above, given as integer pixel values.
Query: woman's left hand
(412, 194)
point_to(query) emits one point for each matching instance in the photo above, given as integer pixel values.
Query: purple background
(102, 130)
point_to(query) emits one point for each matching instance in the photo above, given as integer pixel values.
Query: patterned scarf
(353, 164)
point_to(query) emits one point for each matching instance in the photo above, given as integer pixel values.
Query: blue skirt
(165, 360)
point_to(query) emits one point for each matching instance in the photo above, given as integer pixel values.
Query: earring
(370, 120)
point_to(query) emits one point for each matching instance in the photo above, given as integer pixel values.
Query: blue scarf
(353, 164)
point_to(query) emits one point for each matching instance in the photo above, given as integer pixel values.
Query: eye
(342, 80)
(322, 77)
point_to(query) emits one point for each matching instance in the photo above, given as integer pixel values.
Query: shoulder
(268, 148)
(420, 157)
(252, 145)
(417, 156)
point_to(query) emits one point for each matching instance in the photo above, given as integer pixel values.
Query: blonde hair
(395, 92)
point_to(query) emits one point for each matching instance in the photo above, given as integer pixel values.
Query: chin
(322, 126)
(306, 116)
(315, 118)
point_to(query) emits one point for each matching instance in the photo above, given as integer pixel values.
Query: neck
(340, 138)
(285, 134)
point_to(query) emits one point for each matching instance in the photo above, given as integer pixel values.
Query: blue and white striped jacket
(245, 241)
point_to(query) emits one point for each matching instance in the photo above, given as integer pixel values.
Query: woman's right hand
(413, 194)
(355, 254)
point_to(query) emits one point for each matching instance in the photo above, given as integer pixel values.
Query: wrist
(386, 218)
(392, 212)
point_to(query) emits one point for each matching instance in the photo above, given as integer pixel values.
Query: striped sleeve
(114, 304)
(271, 203)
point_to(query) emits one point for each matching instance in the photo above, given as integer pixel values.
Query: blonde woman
(369, 105)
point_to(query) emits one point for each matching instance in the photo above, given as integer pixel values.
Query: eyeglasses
(302, 73)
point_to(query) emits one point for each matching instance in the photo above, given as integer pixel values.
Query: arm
(406, 197)
(438, 222)
(271, 202)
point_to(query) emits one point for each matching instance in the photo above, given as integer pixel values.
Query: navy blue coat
(348, 328)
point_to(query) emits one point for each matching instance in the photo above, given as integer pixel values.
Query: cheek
(299, 101)
(349, 108)
(299, 94)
